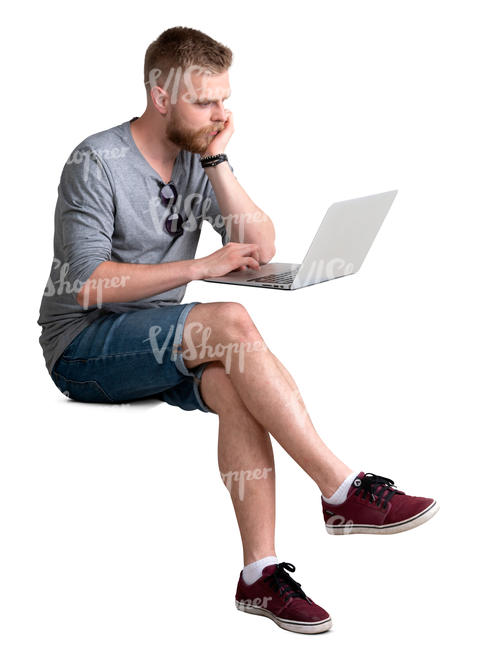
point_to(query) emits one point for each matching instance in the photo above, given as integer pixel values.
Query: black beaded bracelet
(213, 161)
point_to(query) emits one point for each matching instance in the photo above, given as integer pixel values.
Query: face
(199, 112)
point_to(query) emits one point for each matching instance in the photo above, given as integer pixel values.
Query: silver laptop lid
(343, 238)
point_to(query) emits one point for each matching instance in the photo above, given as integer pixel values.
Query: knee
(235, 320)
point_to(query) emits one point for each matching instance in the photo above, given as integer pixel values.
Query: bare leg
(265, 387)
(246, 463)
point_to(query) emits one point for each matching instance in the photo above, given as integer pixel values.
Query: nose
(218, 113)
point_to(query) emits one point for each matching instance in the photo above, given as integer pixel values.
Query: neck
(150, 138)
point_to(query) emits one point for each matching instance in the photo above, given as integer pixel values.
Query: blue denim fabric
(114, 360)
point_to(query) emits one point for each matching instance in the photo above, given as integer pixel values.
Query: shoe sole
(388, 529)
(286, 624)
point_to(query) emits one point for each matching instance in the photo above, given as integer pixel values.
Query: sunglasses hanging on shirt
(173, 223)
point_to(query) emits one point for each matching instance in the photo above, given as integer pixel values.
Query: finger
(251, 261)
(254, 252)
(249, 249)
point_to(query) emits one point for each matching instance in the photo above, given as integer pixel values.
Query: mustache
(216, 128)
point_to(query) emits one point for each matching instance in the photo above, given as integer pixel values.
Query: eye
(207, 102)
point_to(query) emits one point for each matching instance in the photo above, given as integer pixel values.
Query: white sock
(251, 572)
(342, 492)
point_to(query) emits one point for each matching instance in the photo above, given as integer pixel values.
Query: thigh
(129, 356)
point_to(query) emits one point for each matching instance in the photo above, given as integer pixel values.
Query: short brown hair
(183, 47)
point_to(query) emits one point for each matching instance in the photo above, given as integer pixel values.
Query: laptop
(338, 248)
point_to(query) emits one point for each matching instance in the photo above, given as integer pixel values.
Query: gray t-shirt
(109, 209)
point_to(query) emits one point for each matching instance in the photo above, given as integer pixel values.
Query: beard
(196, 141)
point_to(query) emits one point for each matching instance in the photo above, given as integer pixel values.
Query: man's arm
(121, 282)
(245, 222)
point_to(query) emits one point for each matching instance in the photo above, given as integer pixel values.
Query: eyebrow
(212, 99)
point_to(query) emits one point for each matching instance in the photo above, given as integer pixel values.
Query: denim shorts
(130, 356)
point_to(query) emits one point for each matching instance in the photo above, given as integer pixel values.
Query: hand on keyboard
(232, 256)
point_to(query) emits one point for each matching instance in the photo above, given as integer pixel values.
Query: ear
(160, 99)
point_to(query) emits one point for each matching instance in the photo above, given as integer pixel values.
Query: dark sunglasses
(173, 223)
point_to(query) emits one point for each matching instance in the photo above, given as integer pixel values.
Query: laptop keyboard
(276, 278)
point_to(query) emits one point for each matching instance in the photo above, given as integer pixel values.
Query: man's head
(186, 79)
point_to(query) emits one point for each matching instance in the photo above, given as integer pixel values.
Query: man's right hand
(233, 256)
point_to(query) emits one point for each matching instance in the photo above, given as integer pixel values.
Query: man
(131, 202)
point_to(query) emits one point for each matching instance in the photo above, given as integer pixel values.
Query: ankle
(254, 556)
(331, 483)
(341, 494)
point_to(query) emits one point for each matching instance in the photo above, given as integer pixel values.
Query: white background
(116, 530)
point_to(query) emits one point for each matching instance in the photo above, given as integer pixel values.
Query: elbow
(269, 250)
(89, 293)
(267, 254)
(83, 297)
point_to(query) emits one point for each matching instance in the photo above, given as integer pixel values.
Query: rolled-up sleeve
(213, 214)
(86, 204)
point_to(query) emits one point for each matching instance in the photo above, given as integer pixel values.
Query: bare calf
(225, 332)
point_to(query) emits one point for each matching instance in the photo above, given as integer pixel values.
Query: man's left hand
(220, 140)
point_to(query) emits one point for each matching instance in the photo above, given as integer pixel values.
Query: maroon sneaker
(373, 505)
(276, 595)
